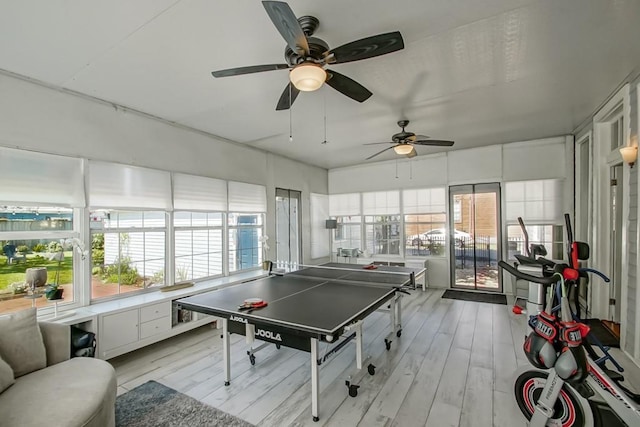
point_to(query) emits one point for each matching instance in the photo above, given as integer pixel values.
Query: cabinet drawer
(156, 326)
(155, 311)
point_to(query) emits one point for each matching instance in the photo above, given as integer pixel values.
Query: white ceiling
(477, 72)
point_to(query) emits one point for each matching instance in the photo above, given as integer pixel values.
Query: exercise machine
(570, 386)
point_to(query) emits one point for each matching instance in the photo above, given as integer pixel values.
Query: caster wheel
(371, 369)
(399, 333)
(353, 390)
(252, 359)
(227, 383)
(278, 346)
(316, 419)
(387, 344)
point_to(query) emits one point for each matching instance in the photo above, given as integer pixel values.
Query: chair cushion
(21, 344)
(78, 392)
(6, 376)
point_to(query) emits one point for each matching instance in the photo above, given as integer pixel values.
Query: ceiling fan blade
(368, 47)
(248, 70)
(379, 152)
(436, 142)
(376, 143)
(284, 103)
(287, 24)
(413, 153)
(347, 86)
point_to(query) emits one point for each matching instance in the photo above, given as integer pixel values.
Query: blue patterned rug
(153, 404)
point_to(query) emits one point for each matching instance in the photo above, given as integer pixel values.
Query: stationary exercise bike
(570, 387)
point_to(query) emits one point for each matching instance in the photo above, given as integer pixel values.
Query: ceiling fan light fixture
(403, 149)
(308, 77)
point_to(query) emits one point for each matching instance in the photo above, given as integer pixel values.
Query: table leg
(392, 312)
(359, 345)
(315, 386)
(399, 313)
(226, 347)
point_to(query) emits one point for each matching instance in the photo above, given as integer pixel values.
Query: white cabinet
(155, 319)
(118, 329)
(155, 311)
(133, 328)
(125, 330)
(148, 329)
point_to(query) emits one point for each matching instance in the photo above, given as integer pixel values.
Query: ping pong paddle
(251, 303)
(370, 267)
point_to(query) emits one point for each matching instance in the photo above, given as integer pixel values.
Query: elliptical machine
(530, 263)
(569, 387)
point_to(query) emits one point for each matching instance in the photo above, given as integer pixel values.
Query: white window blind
(30, 178)
(424, 201)
(113, 185)
(199, 193)
(381, 203)
(245, 197)
(534, 201)
(344, 204)
(320, 245)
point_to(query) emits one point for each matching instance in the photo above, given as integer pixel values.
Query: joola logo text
(238, 319)
(268, 334)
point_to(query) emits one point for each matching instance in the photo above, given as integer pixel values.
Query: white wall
(550, 158)
(39, 118)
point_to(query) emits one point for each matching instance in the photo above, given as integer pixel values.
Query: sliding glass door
(474, 236)
(288, 223)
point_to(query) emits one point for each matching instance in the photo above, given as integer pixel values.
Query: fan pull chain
(410, 169)
(325, 116)
(396, 168)
(290, 121)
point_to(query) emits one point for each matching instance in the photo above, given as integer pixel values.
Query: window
(551, 236)
(30, 238)
(347, 233)
(345, 209)
(198, 245)
(539, 204)
(245, 246)
(382, 234)
(424, 221)
(127, 251)
(382, 222)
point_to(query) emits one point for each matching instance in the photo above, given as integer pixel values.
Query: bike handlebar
(596, 272)
(545, 280)
(542, 280)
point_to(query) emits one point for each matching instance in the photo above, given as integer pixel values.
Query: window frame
(127, 230)
(261, 232)
(378, 221)
(224, 242)
(77, 262)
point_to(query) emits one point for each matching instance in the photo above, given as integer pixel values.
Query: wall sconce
(629, 154)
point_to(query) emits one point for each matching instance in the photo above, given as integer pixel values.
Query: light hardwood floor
(453, 366)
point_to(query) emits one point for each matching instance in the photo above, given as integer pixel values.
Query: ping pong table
(419, 273)
(311, 305)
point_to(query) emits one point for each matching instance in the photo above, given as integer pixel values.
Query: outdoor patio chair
(11, 253)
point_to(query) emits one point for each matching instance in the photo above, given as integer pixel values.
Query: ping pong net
(358, 276)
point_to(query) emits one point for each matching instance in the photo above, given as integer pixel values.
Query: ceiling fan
(405, 142)
(308, 56)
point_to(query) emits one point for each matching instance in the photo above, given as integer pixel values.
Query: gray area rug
(153, 404)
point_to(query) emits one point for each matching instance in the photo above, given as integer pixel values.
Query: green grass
(10, 273)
